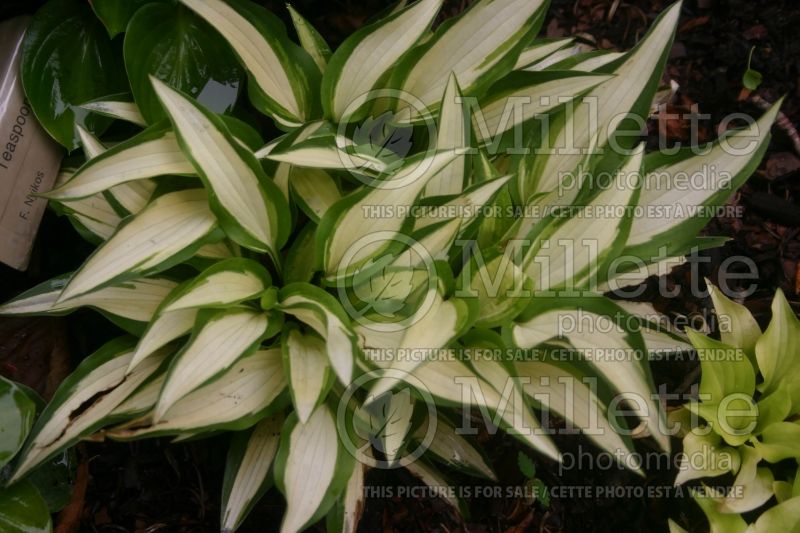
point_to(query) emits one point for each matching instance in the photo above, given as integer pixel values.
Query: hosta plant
(745, 419)
(430, 193)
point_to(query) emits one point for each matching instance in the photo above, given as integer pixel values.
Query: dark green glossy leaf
(178, 47)
(55, 479)
(23, 510)
(17, 412)
(67, 60)
(115, 14)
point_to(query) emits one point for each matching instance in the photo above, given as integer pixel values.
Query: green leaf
(172, 43)
(67, 60)
(526, 465)
(778, 349)
(17, 412)
(246, 470)
(250, 207)
(283, 76)
(23, 509)
(751, 78)
(779, 442)
(115, 14)
(737, 326)
(705, 456)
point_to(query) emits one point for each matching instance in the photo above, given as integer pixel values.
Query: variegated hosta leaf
(558, 390)
(167, 231)
(453, 383)
(326, 152)
(281, 73)
(84, 400)
(480, 46)
(219, 339)
(466, 205)
(454, 450)
(540, 50)
(118, 109)
(367, 55)
(153, 152)
(454, 135)
(237, 399)
(659, 335)
(347, 235)
(135, 300)
(130, 197)
(163, 329)
(312, 468)
(390, 418)
(632, 89)
(435, 323)
(226, 282)
(305, 362)
(250, 207)
(434, 479)
(576, 251)
(249, 460)
(315, 191)
(310, 39)
(595, 327)
(347, 511)
(324, 314)
(714, 176)
(522, 96)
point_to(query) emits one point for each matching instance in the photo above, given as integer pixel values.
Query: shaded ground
(153, 486)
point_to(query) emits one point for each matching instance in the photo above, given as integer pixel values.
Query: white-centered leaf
(165, 328)
(306, 362)
(309, 469)
(84, 400)
(277, 84)
(310, 39)
(323, 313)
(247, 468)
(249, 205)
(224, 283)
(219, 340)
(478, 46)
(315, 191)
(597, 114)
(363, 59)
(118, 109)
(350, 223)
(153, 152)
(454, 449)
(236, 400)
(540, 50)
(136, 299)
(171, 227)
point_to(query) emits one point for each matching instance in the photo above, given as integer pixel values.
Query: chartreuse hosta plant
(319, 294)
(745, 420)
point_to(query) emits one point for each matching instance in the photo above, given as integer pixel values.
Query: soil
(154, 486)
